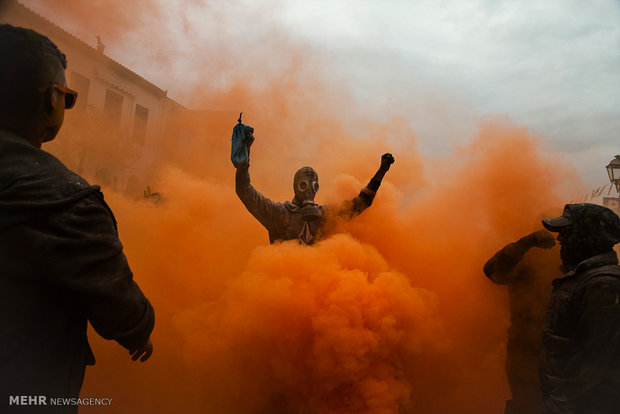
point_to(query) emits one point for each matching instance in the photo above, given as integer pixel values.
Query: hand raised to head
(543, 239)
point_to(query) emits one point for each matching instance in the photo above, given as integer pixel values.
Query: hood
(34, 183)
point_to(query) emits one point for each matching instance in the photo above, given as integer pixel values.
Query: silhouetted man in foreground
(527, 268)
(301, 219)
(61, 262)
(580, 360)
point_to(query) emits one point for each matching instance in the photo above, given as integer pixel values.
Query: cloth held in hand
(242, 138)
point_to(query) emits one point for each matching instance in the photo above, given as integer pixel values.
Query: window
(81, 84)
(140, 122)
(113, 107)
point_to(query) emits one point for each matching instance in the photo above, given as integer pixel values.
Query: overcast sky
(552, 65)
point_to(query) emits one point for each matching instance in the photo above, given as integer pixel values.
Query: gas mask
(306, 185)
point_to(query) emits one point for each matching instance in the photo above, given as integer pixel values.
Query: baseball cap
(587, 218)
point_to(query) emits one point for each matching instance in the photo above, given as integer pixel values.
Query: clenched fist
(387, 160)
(542, 238)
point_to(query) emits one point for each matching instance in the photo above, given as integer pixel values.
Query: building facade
(125, 105)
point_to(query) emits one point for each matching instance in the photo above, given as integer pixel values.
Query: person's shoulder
(66, 181)
(604, 278)
(89, 211)
(603, 292)
(36, 171)
(34, 183)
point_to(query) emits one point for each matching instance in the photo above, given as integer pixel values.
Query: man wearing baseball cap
(580, 359)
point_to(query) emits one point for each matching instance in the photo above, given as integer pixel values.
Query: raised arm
(269, 213)
(366, 196)
(498, 268)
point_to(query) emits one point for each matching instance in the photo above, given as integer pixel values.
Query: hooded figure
(300, 219)
(580, 358)
(61, 261)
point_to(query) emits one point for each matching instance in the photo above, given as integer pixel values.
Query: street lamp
(613, 170)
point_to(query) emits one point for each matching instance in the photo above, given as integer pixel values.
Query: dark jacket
(61, 265)
(580, 359)
(283, 220)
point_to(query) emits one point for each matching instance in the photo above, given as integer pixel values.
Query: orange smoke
(390, 315)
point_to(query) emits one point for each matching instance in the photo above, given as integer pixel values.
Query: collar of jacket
(9, 136)
(33, 182)
(603, 259)
(292, 206)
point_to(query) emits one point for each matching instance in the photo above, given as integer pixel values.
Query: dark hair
(28, 60)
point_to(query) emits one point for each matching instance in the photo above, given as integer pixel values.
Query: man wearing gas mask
(300, 219)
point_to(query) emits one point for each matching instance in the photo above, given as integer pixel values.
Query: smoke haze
(392, 314)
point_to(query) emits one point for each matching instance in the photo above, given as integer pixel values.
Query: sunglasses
(70, 94)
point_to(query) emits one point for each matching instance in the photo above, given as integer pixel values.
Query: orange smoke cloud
(392, 314)
(320, 329)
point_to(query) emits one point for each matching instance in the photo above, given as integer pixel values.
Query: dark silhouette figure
(301, 219)
(61, 261)
(580, 359)
(527, 268)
